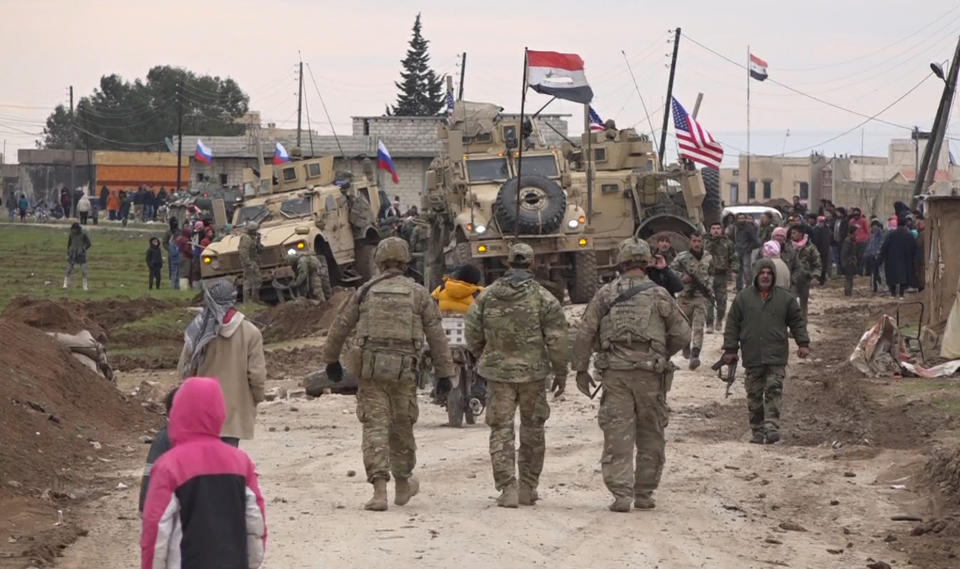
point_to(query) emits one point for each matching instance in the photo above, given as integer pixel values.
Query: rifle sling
(627, 295)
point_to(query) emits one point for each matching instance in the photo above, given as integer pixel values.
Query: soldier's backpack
(390, 333)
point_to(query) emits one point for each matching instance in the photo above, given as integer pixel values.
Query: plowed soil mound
(71, 316)
(292, 320)
(112, 313)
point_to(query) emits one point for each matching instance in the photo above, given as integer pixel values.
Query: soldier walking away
(849, 261)
(803, 260)
(517, 330)
(694, 265)
(154, 262)
(311, 279)
(220, 342)
(757, 327)
(634, 326)
(77, 244)
(725, 260)
(392, 314)
(250, 249)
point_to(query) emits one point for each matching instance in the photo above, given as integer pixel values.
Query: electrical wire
(324, 105)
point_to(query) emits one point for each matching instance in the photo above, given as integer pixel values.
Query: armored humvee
(471, 201)
(303, 205)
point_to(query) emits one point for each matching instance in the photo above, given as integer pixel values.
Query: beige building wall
(774, 177)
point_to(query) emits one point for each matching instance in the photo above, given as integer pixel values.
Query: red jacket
(863, 229)
(204, 508)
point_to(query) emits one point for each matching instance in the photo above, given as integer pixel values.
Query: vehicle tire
(585, 280)
(455, 404)
(542, 206)
(363, 260)
(712, 204)
(466, 383)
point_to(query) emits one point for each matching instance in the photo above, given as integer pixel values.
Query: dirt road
(723, 503)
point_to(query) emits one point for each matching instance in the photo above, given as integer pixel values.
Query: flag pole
(588, 151)
(523, 102)
(747, 189)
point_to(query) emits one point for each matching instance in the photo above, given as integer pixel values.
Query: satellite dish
(169, 144)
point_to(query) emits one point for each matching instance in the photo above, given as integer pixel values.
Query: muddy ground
(857, 453)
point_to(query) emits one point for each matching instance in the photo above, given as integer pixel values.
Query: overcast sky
(858, 54)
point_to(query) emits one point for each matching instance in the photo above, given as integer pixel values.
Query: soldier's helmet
(634, 250)
(520, 253)
(252, 227)
(392, 249)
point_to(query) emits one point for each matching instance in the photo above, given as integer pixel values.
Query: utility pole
(73, 147)
(463, 68)
(669, 103)
(299, 103)
(179, 134)
(931, 152)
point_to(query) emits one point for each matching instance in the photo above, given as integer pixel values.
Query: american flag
(449, 103)
(695, 142)
(596, 123)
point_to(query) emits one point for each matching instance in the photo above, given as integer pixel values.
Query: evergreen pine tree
(421, 91)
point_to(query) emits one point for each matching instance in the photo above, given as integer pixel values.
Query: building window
(804, 191)
(751, 190)
(767, 189)
(223, 179)
(734, 193)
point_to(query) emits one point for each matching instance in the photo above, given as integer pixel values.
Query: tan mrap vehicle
(633, 196)
(471, 200)
(303, 205)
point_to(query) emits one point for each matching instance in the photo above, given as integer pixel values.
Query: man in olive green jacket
(757, 327)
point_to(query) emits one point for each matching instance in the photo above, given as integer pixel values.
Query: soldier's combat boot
(686, 352)
(66, 282)
(406, 489)
(379, 501)
(758, 438)
(620, 504)
(773, 437)
(695, 359)
(644, 501)
(508, 497)
(527, 495)
(86, 285)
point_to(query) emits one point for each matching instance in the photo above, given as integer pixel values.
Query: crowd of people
(143, 204)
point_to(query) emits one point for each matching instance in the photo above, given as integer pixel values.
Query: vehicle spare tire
(542, 206)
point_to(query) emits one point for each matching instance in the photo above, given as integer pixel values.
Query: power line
(324, 105)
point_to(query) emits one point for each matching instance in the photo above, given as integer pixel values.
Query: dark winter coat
(161, 444)
(745, 237)
(104, 194)
(897, 254)
(822, 237)
(757, 326)
(154, 254)
(849, 261)
(666, 278)
(77, 245)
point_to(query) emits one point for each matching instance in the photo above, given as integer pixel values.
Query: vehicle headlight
(481, 229)
(291, 251)
(573, 224)
(207, 259)
(301, 245)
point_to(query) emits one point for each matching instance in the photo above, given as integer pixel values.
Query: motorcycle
(467, 397)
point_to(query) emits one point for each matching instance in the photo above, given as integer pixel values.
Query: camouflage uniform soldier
(517, 330)
(250, 249)
(726, 260)
(392, 315)
(757, 327)
(634, 326)
(694, 265)
(311, 279)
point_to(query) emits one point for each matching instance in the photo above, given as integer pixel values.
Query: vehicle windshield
(484, 169)
(296, 207)
(545, 166)
(251, 213)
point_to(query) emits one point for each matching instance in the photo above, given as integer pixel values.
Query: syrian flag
(558, 74)
(203, 153)
(280, 155)
(385, 162)
(758, 68)
(596, 123)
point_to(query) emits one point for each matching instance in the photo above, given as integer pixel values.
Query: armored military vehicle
(477, 205)
(303, 205)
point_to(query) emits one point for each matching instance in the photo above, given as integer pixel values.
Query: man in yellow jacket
(458, 290)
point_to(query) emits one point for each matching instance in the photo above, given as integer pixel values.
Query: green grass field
(34, 260)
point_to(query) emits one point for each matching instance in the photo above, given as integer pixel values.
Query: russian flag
(384, 162)
(280, 155)
(203, 153)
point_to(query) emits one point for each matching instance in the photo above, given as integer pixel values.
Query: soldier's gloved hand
(585, 382)
(335, 372)
(443, 387)
(559, 384)
(729, 358)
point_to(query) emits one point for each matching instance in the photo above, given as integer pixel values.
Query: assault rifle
(731, 376)
(697, 281)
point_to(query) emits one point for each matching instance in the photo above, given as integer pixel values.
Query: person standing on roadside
(220, 342)
(821, 238)
(848, 260)
(694, 267)
(23, 204)
(154, 262)
(862, 236)
(745, 240)
(83, 207)
(757, 328)
(392, 316)
(897, 255)
(724, 260)
(517, 331)
(77, 245)
(872, 254)
(803, 260)
(634, 327)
